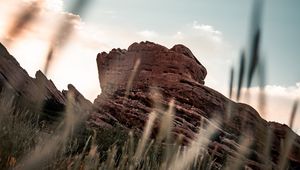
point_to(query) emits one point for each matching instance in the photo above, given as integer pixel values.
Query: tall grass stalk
(237, 161)
(286, 146)
(166, 123)
(293, 113)
(63, 33)
(231, 80)
(241, 75)
(197, 147)
(145, 137)
(132, 76)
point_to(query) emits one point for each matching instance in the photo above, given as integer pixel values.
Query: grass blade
(241, 75)
(231, 82)
(293, 114)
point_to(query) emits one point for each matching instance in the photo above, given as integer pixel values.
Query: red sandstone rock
(172, 66)
(178, 75)
(39, 93)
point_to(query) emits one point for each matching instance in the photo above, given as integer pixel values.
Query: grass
(18, 135)
(27, 143)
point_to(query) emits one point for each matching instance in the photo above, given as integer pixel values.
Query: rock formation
(129, 79)
(145, 78)
(37, 94)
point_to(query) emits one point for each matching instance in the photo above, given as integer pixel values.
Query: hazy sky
(214, 30)
(281, 22)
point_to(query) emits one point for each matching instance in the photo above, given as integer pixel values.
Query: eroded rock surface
(129, 79)
(37, 94)
(145, 78)
(178, 63)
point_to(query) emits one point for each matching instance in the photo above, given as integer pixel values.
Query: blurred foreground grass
(28, 142)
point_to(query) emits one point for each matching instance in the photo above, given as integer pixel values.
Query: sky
(216, 31)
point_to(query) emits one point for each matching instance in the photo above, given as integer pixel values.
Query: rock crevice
(176, 74)
(160, 76)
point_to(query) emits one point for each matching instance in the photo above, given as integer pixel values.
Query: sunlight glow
(54, 5)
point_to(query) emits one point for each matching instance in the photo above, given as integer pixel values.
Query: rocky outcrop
(145, 78)
(282, 136)
(151, 60)
(78, 97)
(130, 80)
(37, 94)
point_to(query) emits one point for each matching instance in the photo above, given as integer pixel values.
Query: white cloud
(279, 102)
(292, 92)
(204, 40)
(148, 34)
(211, 49)
(208, 31)
(207, 28)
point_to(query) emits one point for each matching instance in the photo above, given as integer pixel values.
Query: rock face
(37, 94)
(78, 97)
(177, 63)
(35, 91)
(145, 78)
(130, 78)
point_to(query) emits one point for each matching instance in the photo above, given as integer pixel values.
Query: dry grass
(32, 147)
(26, 144)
